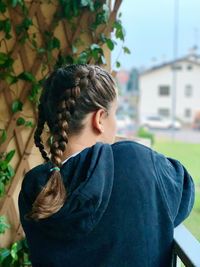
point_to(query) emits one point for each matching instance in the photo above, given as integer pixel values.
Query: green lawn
(189, 155)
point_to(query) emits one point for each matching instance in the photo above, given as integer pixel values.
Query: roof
(193, 59)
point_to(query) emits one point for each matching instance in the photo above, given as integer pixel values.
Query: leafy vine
(101, 23)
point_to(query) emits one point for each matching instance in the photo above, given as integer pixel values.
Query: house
(127, 82)
(156, 87)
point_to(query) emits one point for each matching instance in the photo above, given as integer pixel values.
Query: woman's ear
(98, 120)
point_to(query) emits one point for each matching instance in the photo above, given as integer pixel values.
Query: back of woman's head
(70, 93)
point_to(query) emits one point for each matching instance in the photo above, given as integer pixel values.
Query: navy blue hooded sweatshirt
(124, 201)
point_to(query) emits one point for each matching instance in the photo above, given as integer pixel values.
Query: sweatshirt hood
(88, 177)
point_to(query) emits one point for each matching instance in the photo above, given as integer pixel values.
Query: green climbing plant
(51, 54)
(6, 170)
(15, 256)
(3, 224)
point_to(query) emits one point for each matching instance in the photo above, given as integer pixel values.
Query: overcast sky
(149, 30)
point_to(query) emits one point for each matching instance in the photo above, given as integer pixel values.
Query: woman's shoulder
(129, 145)
(129, 152)
(36, 175)
(38, 169)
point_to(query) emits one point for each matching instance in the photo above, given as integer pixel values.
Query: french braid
(70, 93)
(38, 133)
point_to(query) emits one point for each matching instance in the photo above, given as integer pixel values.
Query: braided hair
(69, 94)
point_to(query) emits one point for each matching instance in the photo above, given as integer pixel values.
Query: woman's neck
(74, 146)
(77, 143)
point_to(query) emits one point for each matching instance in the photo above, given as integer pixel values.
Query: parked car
(125, 125)
(196, 122)
(196, 125)
(158, 122)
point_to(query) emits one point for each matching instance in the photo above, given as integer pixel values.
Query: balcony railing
(186, 248)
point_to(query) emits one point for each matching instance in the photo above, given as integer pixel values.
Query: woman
(96, 202)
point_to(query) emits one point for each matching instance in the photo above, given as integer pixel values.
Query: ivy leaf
(106, 10)
(28, 124)
(84, 2)
(94, 46)
(14, 250)
(27, 22)
(102, 60)
(51, 41)
(103, 38)
(3, 137)
(17, 106)
(119, 30)
(101, 17)
(56, 43)
(90, 3)
(62, 60)
(26, 76)
(2, 192)
(3, 167)
(3, 225)
(5, 25)
(11, 171)
(126, 50)
(83, 58)
(41, 50)
(96, 51)
(34, 92)
(14, 3)
(34, 43)
(5, 60)
(10, 79)
(110, 44)
(24, 26)
(2, 7)
(7, 28)
(20, 121)
(75, 8)
(4, 253)
(95, 54)
(74, 49)
(118, 64)
(67, 11)
(9, 156)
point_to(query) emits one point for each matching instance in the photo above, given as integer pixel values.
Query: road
(185, 135)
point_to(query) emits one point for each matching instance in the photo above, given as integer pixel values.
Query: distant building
(122, 78)
(128, 92)
(133, 82)
(156, 85)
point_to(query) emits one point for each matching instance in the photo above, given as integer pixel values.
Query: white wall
(150, 101)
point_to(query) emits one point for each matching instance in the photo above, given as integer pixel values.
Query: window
(187, 113)
(176, 67)
(188, 90)
(154, 118)
(164, 112)
(189, 67)
(164, 90)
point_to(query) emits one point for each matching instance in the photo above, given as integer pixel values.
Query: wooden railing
(186, 248)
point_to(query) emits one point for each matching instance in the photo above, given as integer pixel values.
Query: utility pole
(174, 67)
(196, 39)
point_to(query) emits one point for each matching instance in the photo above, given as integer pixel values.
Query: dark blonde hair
(70, 93)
